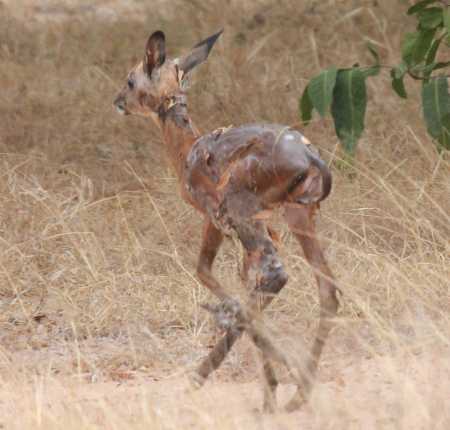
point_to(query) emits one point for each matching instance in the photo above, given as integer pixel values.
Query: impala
(235, 177)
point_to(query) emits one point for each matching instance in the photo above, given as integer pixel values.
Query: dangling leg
(212, 239)
(269, 277)
(270, 381)
(301, 222)
(270, 384)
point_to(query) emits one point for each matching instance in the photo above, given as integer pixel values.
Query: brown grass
(99, 305)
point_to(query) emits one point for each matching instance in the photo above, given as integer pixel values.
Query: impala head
(153, 85)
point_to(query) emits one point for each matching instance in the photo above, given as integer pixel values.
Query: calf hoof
(295, 403)
(269, 406)
(227, 314)
(196, 381)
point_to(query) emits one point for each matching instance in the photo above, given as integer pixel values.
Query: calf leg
(212, 239)
(269, 277)
(301, 222)
(270, 381)
(270, 384)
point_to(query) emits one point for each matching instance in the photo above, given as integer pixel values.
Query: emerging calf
(235, 177)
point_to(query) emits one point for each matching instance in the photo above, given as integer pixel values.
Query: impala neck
(178, 130)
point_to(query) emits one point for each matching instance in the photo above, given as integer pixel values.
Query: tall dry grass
(98, 285)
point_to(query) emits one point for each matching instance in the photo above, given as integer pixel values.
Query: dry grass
(99, 308)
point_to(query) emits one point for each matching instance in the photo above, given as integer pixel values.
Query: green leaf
(445, 141)
(431, 55)
(320, 90)
(430, 18)
(306, 107)
(349, 107)
(446, 19)
(419, 6)
(416, 45)
(422, 45)
(399, 71)
(397, 84)
(408, 44)
(436, 109)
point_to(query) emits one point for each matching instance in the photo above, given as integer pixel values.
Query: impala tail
(311, 186)
(327, 181)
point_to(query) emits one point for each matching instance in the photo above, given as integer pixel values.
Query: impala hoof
(196, 381)
(227, 314)
(269, 407)
(295, 403)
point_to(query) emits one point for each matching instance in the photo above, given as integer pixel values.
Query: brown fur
(235, 177)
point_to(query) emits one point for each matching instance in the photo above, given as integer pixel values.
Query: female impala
(235, 177)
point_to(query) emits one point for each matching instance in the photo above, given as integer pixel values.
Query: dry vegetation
(99, 307)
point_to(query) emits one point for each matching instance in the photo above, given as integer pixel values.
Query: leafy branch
(343, 91)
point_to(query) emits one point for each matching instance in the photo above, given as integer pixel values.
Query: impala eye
(130, 84)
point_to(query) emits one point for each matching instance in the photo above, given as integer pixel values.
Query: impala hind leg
(270, 381)
(301, 222)
(270, 384)
(248, 274)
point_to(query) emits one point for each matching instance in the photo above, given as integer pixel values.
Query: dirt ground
(100, 316)
(407, 389)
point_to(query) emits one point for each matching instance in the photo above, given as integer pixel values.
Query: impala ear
(155, 52)
(198, 54)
